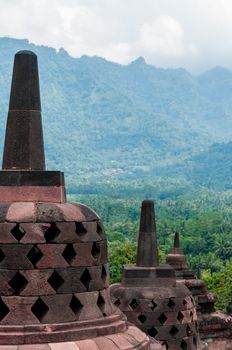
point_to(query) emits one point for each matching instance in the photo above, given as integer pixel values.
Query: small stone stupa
(212, 324)
(54, 279)
(149, 295)
(204, 299)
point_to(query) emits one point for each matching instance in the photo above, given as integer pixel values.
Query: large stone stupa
(54, 279)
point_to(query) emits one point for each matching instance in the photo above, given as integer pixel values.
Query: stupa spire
(24, 148)
(176, 240)
(147, 253)
(24, 178)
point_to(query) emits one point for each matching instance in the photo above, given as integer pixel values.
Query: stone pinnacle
(24, 149)
(147, 253)
(177, 240)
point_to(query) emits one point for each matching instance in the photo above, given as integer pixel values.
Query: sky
(194, 34)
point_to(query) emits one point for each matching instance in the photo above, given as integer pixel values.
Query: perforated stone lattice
(170, 319)
(48, 266)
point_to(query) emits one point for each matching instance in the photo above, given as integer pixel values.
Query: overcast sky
(195, 34)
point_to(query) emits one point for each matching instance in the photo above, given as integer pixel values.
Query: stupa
(151, 298)
(212, 324)
(54, 279)
(204, 299)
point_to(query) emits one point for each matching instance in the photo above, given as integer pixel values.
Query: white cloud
(119, 52)
(192, 33)
(163, 36)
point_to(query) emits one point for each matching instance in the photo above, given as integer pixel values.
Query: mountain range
(103, 119)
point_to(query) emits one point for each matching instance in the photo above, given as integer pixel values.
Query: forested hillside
(103, 119)
(211, 168)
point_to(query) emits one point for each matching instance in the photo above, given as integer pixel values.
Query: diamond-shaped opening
(80, 229)
(101, 303)
(153, 305)
(173, 331)
(171, 303)
(95, 251)
(133, 304)
(52, 233)
(117, 302)
(34, 255)
(18, 283)
(4, 310)
(152, 332)
(55, 280)
(183, 345)
(39, 309)
(191, 315)
(69, 253)
(18, 232)
(142, 318)
(85, 278)
(195, 341)
(103, 274)
(75, 305)
(188, 330)
(99, 230)
(185, 302)
(180, 316)
(162, 318)
(2, 255)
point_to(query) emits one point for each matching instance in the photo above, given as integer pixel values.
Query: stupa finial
(24, 148)
(147, 253)
(177, 240)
